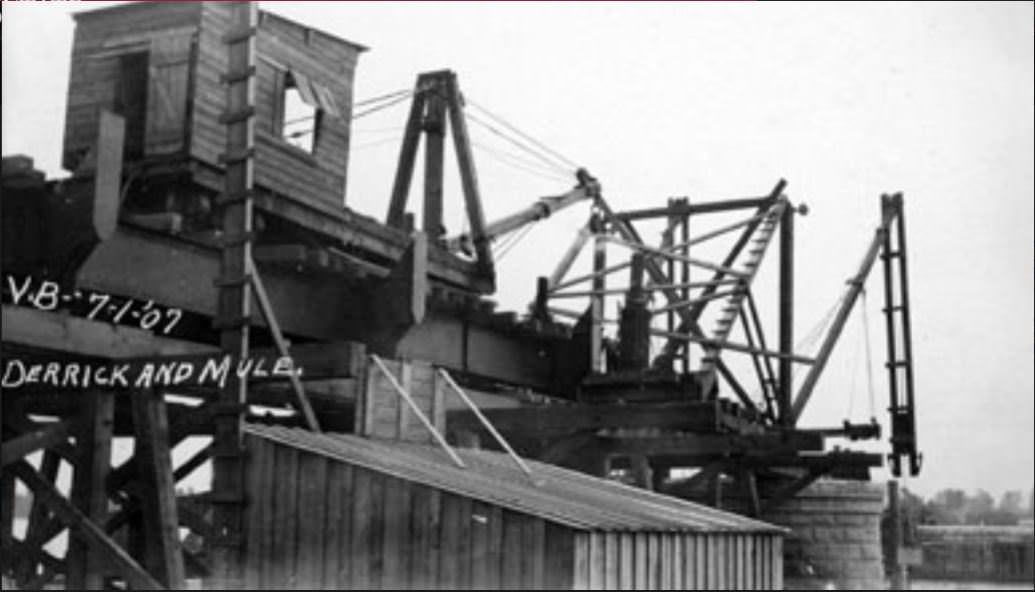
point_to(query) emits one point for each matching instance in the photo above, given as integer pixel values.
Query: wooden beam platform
(559, 420)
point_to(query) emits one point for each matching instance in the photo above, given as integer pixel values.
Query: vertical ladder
(900, 359)
(730, 312)
(235, 293)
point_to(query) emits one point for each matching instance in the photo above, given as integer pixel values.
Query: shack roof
(559, 495)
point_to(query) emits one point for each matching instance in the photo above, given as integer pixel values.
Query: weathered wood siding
(317, 523)
(677, 561)
(185, 97)
(317, 179)
(382, 413)
(164, 32)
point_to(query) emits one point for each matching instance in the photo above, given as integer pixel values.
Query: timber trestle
(121, 521)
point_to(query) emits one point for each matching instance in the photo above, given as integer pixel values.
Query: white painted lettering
(145, 377)
(47, 296)
(118, 375)
(17, 379)
(243, 367)
(71, 375)
(99, 377)
(283, 366)
(216, 370)
(259, 371)
(51, 374)
(183, 372)
(18, 293)
(165, 373)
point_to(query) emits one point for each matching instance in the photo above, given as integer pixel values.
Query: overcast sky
(713, 100)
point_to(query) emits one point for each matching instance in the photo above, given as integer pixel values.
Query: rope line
(504, 243)
(853, 379)
(544, 159)
(869, 357)
(519, 235)
(557, 155)
(516, 163)
(397, 93)
(384, 105)
(517, 158)
(383, 97)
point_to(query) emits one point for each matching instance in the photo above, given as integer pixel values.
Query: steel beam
(681, 209)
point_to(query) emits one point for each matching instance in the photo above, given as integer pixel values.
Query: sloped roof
(559, 495)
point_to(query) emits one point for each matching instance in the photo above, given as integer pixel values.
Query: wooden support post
(111, 133)
(899, 364)
(716, 490)
(745, 322)
(38, 514)
(898, 571)
(235, 297)
(6, 493)
(751, 488)
(659, 475)
(468, 177)
(668, 237)
(690, 319)
(569, 257)
(684, 238)
(641, 469)
(96, 423)
(407, 157)
(43, 437)
(738, 389)
(540, 308)
(162, 553)
(434, 162)
(634, 323)
(785, 391)
(596, 304)
(6, 509)
(769, 382)
(86, 530)
(180, 429)
(281, 343)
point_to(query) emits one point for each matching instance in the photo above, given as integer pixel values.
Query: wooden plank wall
(382, 413)
(187, 56)
(280, 167)
(677, 561)
(100, 39)
(318, 523)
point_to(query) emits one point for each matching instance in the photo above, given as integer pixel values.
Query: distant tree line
(956, 506)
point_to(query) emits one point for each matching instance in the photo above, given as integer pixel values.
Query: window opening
(301, 116)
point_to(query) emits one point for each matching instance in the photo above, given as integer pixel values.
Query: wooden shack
(340, 511)
(161, 66)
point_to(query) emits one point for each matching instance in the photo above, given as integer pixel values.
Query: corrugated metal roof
(560, 495)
